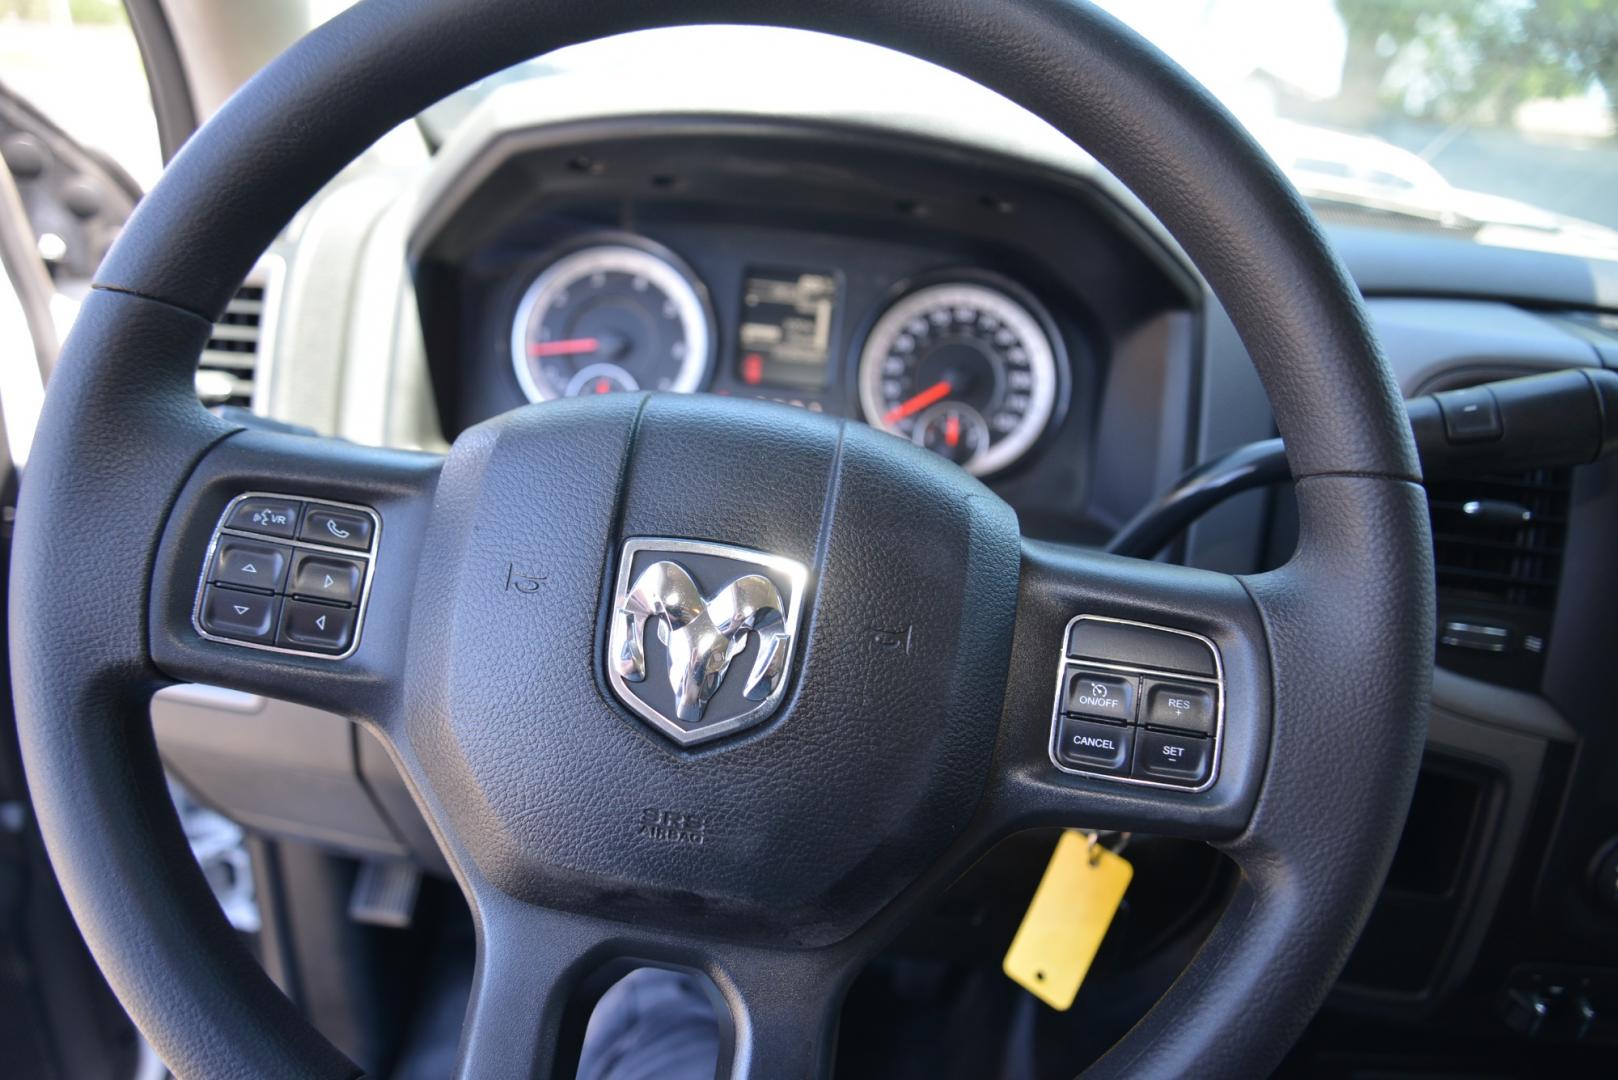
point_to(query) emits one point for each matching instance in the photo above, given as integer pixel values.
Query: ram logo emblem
(750, 608)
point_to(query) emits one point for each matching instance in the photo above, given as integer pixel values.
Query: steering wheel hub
(787, 808)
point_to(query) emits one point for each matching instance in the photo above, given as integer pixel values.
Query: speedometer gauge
(963, 370)
(609, 318)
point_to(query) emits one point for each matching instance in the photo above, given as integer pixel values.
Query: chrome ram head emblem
(750, 607)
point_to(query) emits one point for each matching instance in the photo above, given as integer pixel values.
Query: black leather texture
(1350, 627)
(122, 430)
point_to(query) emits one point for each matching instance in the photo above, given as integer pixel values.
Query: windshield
(1487, 119)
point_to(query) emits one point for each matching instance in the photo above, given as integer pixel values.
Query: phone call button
(337, 527)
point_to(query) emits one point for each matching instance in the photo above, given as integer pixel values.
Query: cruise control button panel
(304, 592)
(1138, 704)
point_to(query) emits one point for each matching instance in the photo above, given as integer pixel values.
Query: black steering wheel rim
(122, 436)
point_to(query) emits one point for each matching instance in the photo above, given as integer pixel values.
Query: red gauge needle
(952, 430)
(569, 347)
(936, 392)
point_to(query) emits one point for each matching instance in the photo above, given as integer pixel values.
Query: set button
(1173, 757)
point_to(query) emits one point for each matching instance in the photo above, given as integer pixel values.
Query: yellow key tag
(1068, 917)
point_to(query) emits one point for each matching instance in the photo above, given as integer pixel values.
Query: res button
(1178, 706)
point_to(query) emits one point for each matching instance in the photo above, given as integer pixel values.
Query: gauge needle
(569, 347)
(952, 430)
(936, 392)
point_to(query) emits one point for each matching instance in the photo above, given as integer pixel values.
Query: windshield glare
(1487, 119)
(1474, 115)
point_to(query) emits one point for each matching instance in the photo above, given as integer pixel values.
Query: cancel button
(1081, 744)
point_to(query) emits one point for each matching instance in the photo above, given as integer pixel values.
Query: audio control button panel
(288, 574)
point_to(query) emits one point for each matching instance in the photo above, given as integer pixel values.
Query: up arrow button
(256, 564)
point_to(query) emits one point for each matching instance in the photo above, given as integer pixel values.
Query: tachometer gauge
(610, 318)
(963, 370)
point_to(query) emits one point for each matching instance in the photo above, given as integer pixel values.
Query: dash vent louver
(229, 365)
(1499, 539)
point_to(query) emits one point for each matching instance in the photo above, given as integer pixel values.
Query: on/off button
(1107, 697)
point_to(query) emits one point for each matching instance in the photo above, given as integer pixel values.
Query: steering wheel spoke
(540, 972)
(286, 569)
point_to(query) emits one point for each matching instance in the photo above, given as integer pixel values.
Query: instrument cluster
(964, 363)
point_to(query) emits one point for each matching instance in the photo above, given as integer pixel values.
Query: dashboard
(963, 363)
(970, 305)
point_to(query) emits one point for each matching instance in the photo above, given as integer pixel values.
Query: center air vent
(1497, 548)
(229, 364)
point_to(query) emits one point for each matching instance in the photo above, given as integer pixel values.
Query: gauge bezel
(660, 266)
(1047, 358)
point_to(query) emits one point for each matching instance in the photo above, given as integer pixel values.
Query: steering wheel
(882, 772)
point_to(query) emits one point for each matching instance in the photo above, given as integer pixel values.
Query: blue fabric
(652, 1025)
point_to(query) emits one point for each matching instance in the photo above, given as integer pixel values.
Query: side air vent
(229, 364)
(1497, 547)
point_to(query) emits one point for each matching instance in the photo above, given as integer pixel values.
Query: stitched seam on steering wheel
(153, 299)
(1349, 474)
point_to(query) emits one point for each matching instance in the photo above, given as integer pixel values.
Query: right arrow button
(318, 576)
